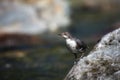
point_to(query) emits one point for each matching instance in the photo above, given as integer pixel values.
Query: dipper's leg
(75, 58)
(82, 55)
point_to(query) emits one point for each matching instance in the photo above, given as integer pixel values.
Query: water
(38, 64)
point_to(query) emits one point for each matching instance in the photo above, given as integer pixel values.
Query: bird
(74, 45)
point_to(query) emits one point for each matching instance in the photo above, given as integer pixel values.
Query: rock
(102, 63)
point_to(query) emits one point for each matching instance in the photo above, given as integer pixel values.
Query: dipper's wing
(80, 45)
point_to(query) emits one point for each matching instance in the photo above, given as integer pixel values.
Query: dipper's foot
(76, 61)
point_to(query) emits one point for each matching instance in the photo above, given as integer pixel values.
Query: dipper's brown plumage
(75, 45)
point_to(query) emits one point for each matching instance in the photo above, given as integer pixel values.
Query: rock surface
(102, 63)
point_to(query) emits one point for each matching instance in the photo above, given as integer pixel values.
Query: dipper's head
(65, 35)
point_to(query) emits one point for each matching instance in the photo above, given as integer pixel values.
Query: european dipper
(75, 45)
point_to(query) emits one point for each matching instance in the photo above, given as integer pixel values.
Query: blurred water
(38, 64)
